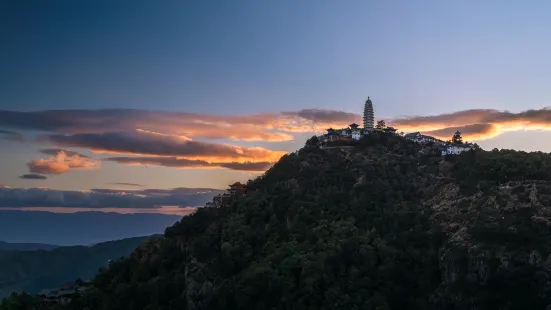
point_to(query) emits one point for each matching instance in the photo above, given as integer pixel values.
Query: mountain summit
(387, 224)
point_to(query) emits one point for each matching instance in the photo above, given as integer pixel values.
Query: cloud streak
(105, 198)
(33, 176)
(266, 127)
(176, 162)
(127, 184)
(11, 135)
(143, 143)
(55, 152)
(254, 127)
(477, 124)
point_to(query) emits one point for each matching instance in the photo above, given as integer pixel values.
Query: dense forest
(389, 224)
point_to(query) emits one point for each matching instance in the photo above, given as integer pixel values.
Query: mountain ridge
(40, 269)
(80, 228)
(13, 246)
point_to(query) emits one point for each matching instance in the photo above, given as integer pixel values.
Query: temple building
(237, 189)
(369, 117)
(351, 133)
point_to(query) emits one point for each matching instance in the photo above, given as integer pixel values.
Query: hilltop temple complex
(354, 132)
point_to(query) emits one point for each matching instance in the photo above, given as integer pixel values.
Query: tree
(457, 139)
(390, 129)
(381, 125)
(314, 141)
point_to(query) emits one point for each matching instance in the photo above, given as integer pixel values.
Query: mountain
(387, 224)
(80, 228)
(6, 246)
(33, 271)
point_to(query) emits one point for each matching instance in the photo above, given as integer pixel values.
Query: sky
(136, 96)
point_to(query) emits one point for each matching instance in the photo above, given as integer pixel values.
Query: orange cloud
(476, 124)
(145, 143)
(61, 163)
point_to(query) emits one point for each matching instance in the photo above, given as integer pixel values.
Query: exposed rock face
(490, 239)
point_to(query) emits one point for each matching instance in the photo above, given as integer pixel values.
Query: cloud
(62, 163)
(267, 127)
(186, 163)
(105, 198)
(33, 176)
(171, 135)
(55, 152)
(152, 192)
(127, 184)
(474, 131)
(177, 139)
(326, 116)
(170, 210)
(143, 143)
(11, 135)
(477, 123)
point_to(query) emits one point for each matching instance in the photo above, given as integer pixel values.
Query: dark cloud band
(99, 198)
(11, 135)
(185, 163)
(142, 143)
(33, 176)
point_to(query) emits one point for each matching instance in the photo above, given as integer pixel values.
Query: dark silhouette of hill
(33, 271)
(81, 228)
(388, 224)
(7, 246)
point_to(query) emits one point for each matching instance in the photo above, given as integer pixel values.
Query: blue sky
(414, 58)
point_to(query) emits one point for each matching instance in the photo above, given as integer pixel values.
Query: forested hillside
(385, 225)
(33, 271)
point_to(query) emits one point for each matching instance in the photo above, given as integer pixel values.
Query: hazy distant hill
(81, 228)
(33, 271)
(7, 246)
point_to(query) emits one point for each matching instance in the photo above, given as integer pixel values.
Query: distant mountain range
(81, 228)
(45, 268)
(6, 246)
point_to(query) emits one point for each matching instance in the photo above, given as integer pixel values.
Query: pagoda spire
(369, 118)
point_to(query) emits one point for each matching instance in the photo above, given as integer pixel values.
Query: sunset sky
(112, 96)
